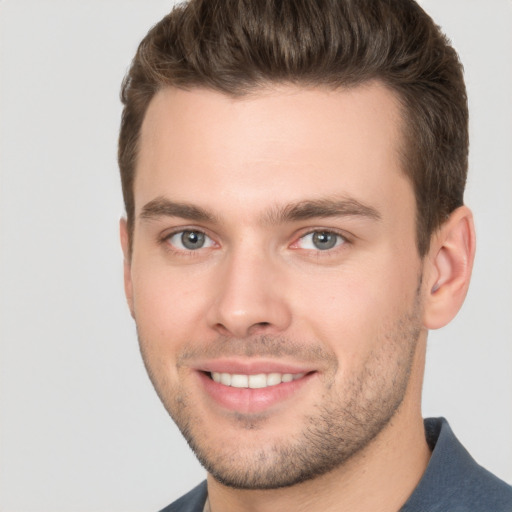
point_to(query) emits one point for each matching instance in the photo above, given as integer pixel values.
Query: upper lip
(255, 367)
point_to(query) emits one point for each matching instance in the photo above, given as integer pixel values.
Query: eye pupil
(324, 240)
(192, 239)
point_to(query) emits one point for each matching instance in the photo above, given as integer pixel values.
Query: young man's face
(275, 279)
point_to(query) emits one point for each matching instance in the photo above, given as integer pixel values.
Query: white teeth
(261, 380)
(239, 381)
(258, 381)
(273, 379)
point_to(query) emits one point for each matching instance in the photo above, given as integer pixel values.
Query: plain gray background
(81, 428)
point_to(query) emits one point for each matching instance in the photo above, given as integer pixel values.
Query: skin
(259, 293)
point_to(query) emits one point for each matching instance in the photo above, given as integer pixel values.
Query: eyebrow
(162, 207)
(322, 208)
(302, 210)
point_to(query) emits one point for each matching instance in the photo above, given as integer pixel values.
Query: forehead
(287, 143)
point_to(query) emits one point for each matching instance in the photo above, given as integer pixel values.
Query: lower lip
(248, 400)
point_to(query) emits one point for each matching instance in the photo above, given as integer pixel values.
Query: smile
(253, 388)
(258, 381)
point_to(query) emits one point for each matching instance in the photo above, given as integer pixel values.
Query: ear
(449, 265)
(125, 244)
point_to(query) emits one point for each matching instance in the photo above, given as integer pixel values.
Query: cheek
(352, 308)
(168, 306)
(346, 320)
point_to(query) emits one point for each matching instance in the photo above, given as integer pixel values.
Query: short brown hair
(236, 46)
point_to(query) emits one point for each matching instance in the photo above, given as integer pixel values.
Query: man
(293, 175)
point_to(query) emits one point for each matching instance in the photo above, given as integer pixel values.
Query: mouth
(258, 381)
(253, 390)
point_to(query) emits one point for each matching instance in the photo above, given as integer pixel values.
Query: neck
(379, 478)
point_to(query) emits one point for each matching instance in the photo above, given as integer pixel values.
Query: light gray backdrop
(81, 428)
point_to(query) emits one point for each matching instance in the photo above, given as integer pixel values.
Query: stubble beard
(340, 426)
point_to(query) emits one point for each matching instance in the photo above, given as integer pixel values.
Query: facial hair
(344, 421)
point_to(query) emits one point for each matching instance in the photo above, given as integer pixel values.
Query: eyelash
(165, 241)
(342, 240)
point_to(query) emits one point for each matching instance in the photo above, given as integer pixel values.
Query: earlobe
(450, 263)
(125, 244)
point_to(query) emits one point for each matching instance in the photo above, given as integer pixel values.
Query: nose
(250, 297)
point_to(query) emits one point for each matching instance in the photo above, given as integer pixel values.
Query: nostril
(259, 327)
(222, 329)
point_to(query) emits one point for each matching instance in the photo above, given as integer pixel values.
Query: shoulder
(480, 490)
(454, 481)
(193, 501)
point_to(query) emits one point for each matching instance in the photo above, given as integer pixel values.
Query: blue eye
(321, 240)
(190, 240)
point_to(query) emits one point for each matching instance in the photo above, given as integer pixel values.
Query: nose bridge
(249, 296)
